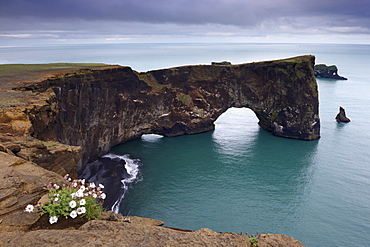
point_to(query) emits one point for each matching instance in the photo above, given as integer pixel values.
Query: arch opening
(236, 128)
(236, 116)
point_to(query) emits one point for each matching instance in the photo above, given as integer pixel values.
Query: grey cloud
(161, 11)
(229, 12)
(119, 19)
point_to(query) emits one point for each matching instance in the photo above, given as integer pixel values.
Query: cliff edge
(97, 109)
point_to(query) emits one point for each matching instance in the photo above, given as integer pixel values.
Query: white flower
(82, 202)
(72, 204)
(81, 210)
(82, 188)
(73, 214)
(103, 196)
(73, 195)
(82, 181)
(92, 185)
(101, 186)
(56, 186)
(94, 195)
(56, 199)
(29, 208)
(53, 219)
(79, 193)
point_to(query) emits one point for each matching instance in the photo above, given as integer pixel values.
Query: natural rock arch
(283, 95)
(97, 109)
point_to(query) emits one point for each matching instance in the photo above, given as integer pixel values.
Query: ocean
(240, 178)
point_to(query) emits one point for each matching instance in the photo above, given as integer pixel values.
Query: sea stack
(341, 116)
(328, 72)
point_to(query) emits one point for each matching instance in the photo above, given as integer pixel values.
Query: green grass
(15, 75)
(184, 98)
(10, 69)
(50, 144)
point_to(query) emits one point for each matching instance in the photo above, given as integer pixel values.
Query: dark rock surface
(329, 72)
(110, 173)
(341, 116)
(221, 63)
(97, 109)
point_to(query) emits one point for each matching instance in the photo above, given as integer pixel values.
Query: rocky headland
(97, 109)
(328, 72)
(54, 122)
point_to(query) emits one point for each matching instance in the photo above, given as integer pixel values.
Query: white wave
(132, 167)
(151, 137)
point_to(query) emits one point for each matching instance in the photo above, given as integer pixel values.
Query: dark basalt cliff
(97, 109)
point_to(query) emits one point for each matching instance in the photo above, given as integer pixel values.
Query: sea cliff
(54, 123)
(97, 109)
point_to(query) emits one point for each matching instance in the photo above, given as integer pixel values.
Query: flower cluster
(72, 199)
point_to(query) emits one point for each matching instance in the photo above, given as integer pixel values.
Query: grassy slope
(24, 70)
(14, 75)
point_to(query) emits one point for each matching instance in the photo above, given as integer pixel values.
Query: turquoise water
(240, 178)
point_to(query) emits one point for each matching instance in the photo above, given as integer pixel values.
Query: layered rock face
(14, 136)
(21, 183)
(97, 109)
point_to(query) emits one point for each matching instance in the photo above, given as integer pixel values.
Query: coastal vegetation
(16, 75)
(19, 69)
(253, 238)
(74, 198)
(184, 98)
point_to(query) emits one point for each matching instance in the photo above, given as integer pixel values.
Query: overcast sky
(95, 21)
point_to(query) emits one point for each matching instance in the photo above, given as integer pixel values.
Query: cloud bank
(185, 20)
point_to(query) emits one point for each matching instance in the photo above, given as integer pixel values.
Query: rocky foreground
(137, 232)
(31, 154)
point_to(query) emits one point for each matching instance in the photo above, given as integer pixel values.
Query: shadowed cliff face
(97, 109)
